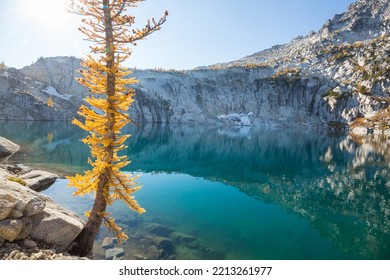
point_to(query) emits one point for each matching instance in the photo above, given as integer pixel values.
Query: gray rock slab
(7, 147)
(38, 180)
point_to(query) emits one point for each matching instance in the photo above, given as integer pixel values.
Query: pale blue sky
(197, 32)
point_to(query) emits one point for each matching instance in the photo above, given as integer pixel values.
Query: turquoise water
(243, 193)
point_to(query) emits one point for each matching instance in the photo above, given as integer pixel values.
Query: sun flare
(51, 12)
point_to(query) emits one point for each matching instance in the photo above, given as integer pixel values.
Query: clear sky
(197, 32)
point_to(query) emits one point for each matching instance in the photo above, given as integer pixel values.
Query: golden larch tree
(50, 102)
(109, 26)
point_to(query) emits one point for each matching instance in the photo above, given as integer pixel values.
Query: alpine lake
(217, 192)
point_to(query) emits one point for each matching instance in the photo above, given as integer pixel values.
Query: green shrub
(332, 93)
(17, 180)
(362, 89)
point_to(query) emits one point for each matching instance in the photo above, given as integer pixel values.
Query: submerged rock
(158, 229)
(183, 237)
(114, 253)
(152, 252)
(186, 239)
(140, 257)
(108, 243)
(163, 243)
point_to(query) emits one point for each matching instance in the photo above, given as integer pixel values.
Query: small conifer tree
(50, 102)
(110, 28)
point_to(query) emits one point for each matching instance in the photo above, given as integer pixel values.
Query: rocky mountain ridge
(336, 75)
(364, 20)
(25, 98)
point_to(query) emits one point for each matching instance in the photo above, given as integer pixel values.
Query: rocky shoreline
(30, 250)
(32, 225)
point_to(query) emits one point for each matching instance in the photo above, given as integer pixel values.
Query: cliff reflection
(340, 184)
(54, 145)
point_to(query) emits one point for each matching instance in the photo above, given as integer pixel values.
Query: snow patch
(237, 119)
(4, 75)
(53, 92)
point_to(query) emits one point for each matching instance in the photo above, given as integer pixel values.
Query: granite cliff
(336, 75)
(25, 98)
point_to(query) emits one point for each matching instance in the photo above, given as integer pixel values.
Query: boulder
(10, 229)
(26, 202)
(15, 213)
(27, 227)
(7, 147)
(56, 225)
(6, 208)
(34, 206)
(38, 180)
(42, 219)
(28, 244)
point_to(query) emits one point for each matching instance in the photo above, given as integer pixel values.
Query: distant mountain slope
(24, 98)
(336, 75)
(351, 50)
(58, 72)
(363, 21)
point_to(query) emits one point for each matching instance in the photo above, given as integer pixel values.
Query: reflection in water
(54, 145)
(339, 184)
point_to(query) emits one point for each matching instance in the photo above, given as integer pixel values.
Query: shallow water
(240, 193)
